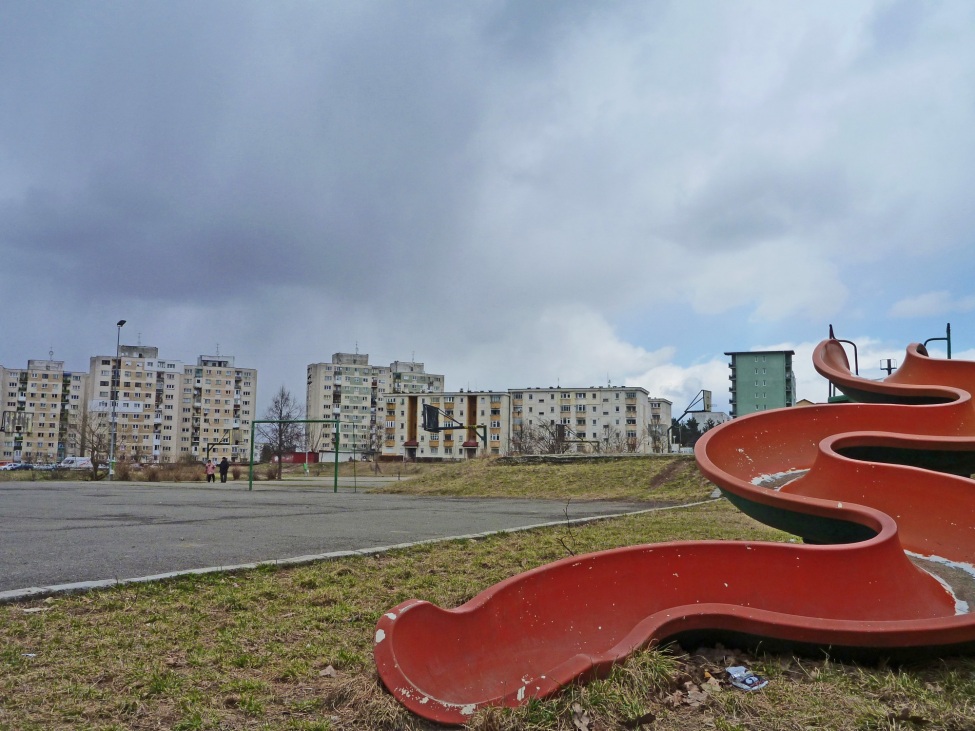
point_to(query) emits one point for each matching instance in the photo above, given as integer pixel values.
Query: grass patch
(291, 648)
(651, 479)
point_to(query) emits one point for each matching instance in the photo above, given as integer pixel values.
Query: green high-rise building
(761, 380)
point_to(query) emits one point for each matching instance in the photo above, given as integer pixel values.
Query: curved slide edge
(533, 633)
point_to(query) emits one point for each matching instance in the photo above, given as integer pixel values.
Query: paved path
(54, 533)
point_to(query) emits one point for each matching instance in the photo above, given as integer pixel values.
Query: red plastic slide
(879, 491)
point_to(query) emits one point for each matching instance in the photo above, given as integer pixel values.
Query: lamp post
(675, 430)
(116, 378)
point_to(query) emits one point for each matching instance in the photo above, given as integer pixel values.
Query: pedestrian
(224, 466)
(210, 469)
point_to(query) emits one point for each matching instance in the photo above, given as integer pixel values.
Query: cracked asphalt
(56, 533)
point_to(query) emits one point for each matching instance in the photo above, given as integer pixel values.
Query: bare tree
(524, 440)
(546, 437)
(613, 442)
(377, 438)
(283, 435)
(91, 437)
(655, 433)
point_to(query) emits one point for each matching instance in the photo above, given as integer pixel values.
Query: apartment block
(351, 389)
(41, 409)
(480, 421)
(761, 380)
(165, 410)
(589, 420)
(411, 377)
(216, 409)
(532, 420)
(145, 390)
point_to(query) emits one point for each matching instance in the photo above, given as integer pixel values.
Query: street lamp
(677, 431)
(116, 378)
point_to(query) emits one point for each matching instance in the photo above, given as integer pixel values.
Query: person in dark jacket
(224, 466)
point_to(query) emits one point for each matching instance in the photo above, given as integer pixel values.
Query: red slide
(878, 490)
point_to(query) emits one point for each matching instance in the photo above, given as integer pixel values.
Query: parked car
(17, 466)
(76, 463)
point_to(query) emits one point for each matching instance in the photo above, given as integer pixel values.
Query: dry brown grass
(651, 479)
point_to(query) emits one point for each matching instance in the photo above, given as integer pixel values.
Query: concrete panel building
(41, 407)
(166, 410)
(146, 392)
(589, 420)
(163, 409)
(217, 408)
(481, 421)
(527, 421)
(354, 391)
(761, 380)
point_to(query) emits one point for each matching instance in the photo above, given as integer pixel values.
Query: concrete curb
(42, 592)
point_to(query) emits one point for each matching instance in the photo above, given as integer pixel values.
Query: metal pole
(946, 338)
(250, 472)
(335, 482)
(116, 380)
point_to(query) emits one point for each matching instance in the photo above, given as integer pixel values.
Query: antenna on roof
(50, 353)
(218, 350)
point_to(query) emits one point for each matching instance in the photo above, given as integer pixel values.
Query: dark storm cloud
(748, 202)
(229, 135)
(464, 181)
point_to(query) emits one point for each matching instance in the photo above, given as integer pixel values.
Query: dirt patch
(677, 468)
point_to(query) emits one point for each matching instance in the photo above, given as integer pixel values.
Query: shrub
(271, 471)
(152, 474)
(236, 471)
(123, 471)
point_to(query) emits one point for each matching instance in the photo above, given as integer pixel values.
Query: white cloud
(562, 345)
(681, 384)
(929, 304)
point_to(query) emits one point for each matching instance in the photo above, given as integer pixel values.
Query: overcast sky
(514, 193)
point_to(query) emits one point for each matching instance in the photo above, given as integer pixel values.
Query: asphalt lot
(59, 533)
